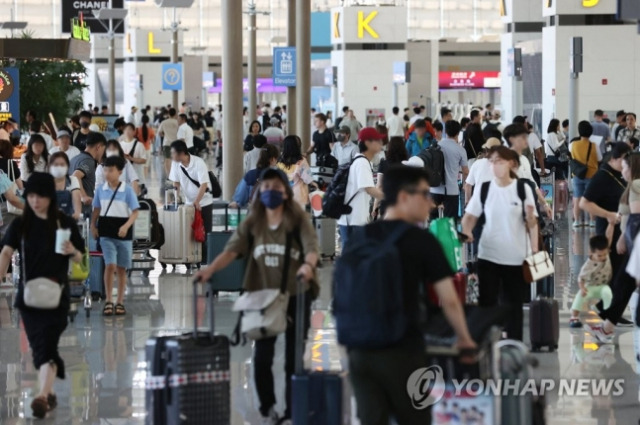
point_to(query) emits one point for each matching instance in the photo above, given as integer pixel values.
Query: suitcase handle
(299, 353)
(195, 309)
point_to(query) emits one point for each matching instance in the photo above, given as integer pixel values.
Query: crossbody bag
(108, 227)
(578, 168)
(42, 292)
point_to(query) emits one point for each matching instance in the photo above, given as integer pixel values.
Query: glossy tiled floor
(105, 357)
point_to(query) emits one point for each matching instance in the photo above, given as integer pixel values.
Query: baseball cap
(519, 119)
(414, 161)
(491, 143)
(368, 134)
(345, 129)
(62, 133)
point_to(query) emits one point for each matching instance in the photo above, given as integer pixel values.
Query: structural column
(291, 91)
(231, 96)
(174, 54)
(112, 72)
(303, 71)
(251, 62)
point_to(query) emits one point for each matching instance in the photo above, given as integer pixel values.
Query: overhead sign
(284, 66)
(263, 85)
(469, 80)
(171, 76)
(9, 94)
(368, 24)
(73, 8)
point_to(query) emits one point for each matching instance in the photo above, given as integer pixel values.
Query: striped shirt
(124, 203)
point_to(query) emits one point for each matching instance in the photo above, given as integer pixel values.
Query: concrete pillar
(174, 55)
(231, 96)
(252, 70)
(303, 71)
(291, 91)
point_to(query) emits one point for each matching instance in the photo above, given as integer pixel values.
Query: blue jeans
(117, 251)
(345, 232)
(579, 186)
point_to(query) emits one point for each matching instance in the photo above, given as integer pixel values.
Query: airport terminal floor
(106, 364)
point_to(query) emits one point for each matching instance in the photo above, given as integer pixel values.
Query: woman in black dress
(34, 235)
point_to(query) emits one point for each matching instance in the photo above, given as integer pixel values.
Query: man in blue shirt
(419, 139)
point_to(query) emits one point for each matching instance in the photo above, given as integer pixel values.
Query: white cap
(414, 161)
(94, 128)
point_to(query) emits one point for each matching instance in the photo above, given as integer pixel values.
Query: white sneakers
(271, 419)
(599, 333)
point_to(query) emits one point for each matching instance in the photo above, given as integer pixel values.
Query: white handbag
(537, 266)
(11, 209)
(41, 292)
(263, 313)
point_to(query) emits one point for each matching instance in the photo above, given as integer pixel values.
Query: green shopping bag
(444, 229)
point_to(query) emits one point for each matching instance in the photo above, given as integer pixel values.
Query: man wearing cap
(64, 145)
(322, 141)
(274, 134)
(345, 150)
(360, 185)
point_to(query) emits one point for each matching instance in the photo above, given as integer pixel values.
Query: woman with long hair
(553, 144)
(245, 189)
(396, 153)
(296, 168)
(129, 174)
(275, 221)
(507, 238)
(34, 235)
(145, 133)
(67, 187)
(36, 158)
(255, 128)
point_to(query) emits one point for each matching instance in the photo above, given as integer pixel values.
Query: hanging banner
(9, 94)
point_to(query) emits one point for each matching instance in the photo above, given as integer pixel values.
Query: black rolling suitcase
(193, 386)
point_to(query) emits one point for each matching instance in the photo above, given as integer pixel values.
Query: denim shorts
(116, 251)
(579, 186)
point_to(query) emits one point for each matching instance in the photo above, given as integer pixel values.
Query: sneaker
(624, 323)
(271, 418)
(599, 334)
(575, 323)
(576, 224)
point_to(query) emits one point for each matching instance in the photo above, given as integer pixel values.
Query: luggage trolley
(80, 293)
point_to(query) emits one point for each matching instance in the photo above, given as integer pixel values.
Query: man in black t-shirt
(323, 138)
(379, 377)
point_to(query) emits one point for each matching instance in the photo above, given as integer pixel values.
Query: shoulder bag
(579, 169)
(562, 153)
(263, 313)
(539, 265)
(11, 209)
(42, 293)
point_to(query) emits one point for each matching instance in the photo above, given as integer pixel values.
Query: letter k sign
(364, 24)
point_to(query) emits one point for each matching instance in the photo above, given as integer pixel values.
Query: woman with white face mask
(67, 187)
(129, 174)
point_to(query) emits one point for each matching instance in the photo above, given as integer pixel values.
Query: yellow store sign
(590, 3)
(364, 24)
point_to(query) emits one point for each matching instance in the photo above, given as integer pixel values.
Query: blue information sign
(9, 94)
(171, 76)
(284, 66)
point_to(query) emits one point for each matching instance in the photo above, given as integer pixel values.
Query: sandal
(39, 407)
(120, 310)
(107, 310)
(52, 400)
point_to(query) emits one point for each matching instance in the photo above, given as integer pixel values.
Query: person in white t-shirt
(134, 150)
(395, 124)
(64, 145)
(190, 174)
(480, 171)
(509, 235)
(185, 132)
(360, 186)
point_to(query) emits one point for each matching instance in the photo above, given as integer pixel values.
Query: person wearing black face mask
(80, 136)
(274, 223)
(344, 150)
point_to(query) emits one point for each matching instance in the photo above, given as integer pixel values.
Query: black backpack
(522, 194)
(333, 205)
(491, 130)
(433, 158)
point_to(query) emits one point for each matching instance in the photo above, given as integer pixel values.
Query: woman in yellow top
(296, 168)
(590, 157)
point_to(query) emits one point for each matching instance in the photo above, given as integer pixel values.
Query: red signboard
(469, 79)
